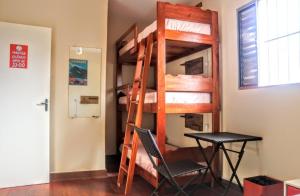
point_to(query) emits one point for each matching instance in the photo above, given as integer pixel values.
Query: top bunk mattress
(170, 24)
(174, 97)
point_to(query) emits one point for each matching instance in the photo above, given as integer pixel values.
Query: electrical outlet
(205, 127)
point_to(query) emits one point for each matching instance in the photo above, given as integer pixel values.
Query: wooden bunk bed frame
(170, 45)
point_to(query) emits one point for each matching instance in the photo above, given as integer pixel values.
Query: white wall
(76, 144)
(270, 112)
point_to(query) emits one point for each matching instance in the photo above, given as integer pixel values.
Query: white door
(24, 123)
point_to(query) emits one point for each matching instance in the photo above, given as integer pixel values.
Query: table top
(223, 137)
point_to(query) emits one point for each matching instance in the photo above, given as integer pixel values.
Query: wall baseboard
(80, 175)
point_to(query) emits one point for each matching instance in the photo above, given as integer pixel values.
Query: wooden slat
(187, 13)
(188, 83)
(189, 37)
(178, 108)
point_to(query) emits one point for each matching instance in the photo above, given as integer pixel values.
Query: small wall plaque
(194, 121)
(89, 99)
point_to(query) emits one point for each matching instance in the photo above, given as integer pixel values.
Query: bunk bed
(179, 31)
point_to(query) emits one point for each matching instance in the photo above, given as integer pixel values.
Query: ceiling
(142, 10)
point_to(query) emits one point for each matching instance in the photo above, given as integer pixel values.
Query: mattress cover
(170, 24)
(174, 97)
(143, 160)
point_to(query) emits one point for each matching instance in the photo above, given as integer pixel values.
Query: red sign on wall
(18, 56)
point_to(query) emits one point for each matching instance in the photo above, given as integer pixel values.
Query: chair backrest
(152, 149)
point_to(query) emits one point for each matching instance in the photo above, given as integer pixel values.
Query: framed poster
(78, 70)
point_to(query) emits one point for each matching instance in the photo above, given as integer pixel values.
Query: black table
(219, 139)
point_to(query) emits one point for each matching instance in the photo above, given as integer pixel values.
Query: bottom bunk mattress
(174, 97)
(143, 160)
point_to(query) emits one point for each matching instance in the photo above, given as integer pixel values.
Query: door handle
(45, 104)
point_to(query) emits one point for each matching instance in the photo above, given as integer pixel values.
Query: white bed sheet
(174, 97)
(171, 24)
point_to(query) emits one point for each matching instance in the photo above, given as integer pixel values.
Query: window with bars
(274, 57)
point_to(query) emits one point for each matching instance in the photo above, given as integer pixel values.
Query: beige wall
(271, 112)
(76, 144)
(115, 29)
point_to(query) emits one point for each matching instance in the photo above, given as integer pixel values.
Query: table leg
(233, 169)
(209, 162)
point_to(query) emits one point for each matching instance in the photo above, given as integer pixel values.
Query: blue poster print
(78, 72)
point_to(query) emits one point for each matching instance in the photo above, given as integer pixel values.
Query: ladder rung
(128, 146)
(134, 101)
(124, 168)
(141, 58)
(132, 124)
(137, 80)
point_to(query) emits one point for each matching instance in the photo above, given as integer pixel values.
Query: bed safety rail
(188, 83)
(133, 30)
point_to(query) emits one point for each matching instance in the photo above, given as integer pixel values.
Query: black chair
(171, 170)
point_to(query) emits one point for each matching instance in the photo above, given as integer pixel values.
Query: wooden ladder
(135, 110)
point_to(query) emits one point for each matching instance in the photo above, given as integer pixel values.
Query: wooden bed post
(161, 69)
(216, 82)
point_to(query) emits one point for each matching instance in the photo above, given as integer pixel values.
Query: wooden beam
(215, 73)
(217, 164)
(161, 69)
